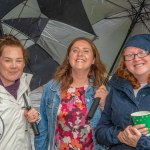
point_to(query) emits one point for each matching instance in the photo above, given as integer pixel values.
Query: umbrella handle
(2, 127)
(34, 124)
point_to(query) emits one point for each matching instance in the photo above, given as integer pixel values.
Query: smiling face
(139, 67)
(81, 56)
(11, 64)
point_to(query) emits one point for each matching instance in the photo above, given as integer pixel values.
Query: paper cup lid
(140, 113)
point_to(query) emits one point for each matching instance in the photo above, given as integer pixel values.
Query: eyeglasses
(140, 55)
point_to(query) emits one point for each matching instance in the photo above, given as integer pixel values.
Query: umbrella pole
(134, 21)
(1, 29)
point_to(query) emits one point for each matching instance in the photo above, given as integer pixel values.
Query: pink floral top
(73, 130)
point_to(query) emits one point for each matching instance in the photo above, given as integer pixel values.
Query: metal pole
(1, 29)
(134, 21)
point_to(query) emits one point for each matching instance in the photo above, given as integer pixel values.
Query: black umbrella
(52, 24)
(45, 28)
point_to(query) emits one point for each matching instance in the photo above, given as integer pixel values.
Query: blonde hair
(97, 70)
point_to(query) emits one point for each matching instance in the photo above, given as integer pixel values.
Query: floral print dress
(73, 130)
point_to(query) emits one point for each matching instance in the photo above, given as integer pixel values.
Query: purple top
(12, 89)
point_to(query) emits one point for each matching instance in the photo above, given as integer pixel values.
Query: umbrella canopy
(47, 27)
(114, 21)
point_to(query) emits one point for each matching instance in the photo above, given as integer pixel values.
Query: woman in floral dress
(67, 99)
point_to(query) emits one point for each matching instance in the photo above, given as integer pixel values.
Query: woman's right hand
(132, 134)
(102, 93)
(32, 115)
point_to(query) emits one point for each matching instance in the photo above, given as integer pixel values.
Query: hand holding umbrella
(33, 124)
(100, 96)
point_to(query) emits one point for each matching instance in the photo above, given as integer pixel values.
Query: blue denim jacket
(49, 108)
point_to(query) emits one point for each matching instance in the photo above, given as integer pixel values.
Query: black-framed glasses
(140, 55)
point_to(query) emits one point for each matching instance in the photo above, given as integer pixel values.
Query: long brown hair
(97, 70)
(124, 73)
(10, 40)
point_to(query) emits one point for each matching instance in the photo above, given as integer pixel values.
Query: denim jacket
(49, 108)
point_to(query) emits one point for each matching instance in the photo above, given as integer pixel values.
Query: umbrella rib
(144, 24)
(129, 31)
(22, 8)
(132, 6)
(137, 12)
(120, 17)
(1, 29)
(127, 15)
(25, 4)
(36, 20)
(147, 13)
(125, 9)
(34, 10)
(133, 11)
(19, 32)
(117, 5)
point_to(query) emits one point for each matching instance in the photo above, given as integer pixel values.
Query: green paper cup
(141, 117)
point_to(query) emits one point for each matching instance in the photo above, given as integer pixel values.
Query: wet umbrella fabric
(113, 22)
(54, 23)
(44, 31)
